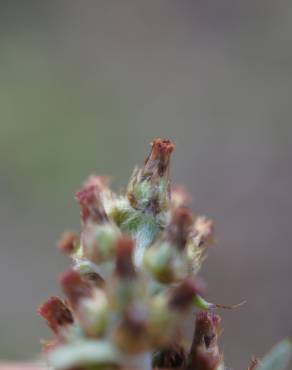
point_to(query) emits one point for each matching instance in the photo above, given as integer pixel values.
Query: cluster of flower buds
(133, 279)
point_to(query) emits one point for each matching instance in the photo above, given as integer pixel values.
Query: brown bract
(90, 202)
(158, 159)
(56, 313)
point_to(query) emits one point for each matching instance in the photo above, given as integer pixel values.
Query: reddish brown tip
(56, 313)
(68, 242)
(159, 156)
(207, 328)
(90, 201)
(124, 260)
(74, 286)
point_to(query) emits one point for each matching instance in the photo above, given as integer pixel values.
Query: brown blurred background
(86, 85)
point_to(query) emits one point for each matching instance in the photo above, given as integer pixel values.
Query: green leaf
(278, 358)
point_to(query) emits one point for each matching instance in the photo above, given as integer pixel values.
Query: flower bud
(99, 242)
(90, 200)
(158, 260)
(149, 190)
(165, 259)
(207, 329)
(204, 353)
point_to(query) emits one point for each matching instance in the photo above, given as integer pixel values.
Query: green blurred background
(86, 85)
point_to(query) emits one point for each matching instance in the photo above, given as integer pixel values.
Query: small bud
(149, 188)
(204, 353)
(207, 328)
(158, 159)
(68, 243)
(99, 242)
(75, 287)
(165, 260)
(56, 313)
(124, 259)
(90, 201)
(183, 295)
(158, 261)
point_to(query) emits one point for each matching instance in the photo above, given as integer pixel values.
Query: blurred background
(86, 85)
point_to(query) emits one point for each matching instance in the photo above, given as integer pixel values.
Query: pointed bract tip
(162, 147)
(206, 321)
